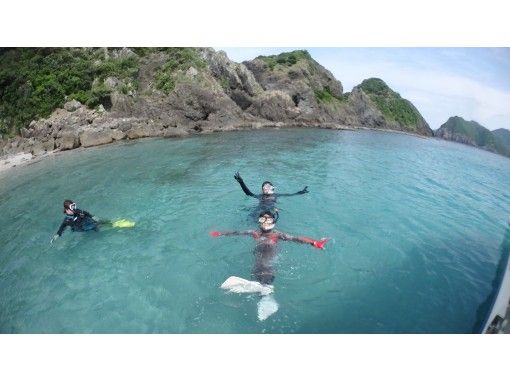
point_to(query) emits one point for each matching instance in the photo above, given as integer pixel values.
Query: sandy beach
(14, 160)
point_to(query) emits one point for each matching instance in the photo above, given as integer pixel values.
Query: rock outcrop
(176, 92)
(471, 133)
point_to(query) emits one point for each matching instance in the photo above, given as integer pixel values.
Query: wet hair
(266, 183)
(67, 203)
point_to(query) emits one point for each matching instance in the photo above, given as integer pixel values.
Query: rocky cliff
(65, 98)
(471, 133)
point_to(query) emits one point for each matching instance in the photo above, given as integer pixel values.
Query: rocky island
(471, 133)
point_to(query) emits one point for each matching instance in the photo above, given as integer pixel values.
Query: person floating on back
(267, 200)
(265, 251)
(81, 220)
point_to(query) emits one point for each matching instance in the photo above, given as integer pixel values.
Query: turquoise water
(418, 228)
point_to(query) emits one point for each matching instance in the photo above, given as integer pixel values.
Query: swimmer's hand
(95, 219)
(55, 237)
(215, 233)
(305, 190)
(237, 177)
(319, 244)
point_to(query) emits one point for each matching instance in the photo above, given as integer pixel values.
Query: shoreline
(21, 159)
(18, 160)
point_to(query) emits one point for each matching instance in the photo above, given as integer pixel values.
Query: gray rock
(127, 125)
(95, 137)
(192, 72)
(144, 131)
(72, 105)
(363, 112)
(69, 139)
(300, 81)
(117, 134)
(175, 132)
(49, 144)
(274, 105)
(231, 75)
(112, 83)
(38, 149)
(26, 133)
(26, 144)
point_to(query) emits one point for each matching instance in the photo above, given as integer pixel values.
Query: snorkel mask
(267, 188)
(267, 220)
(69, 205)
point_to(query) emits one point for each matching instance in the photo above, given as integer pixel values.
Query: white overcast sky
(473, 83)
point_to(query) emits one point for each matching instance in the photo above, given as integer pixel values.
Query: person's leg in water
(263, 273)
(95, 225)
(263, 268)
(89, 224)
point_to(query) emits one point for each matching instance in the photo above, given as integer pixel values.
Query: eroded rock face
(289, 89)
(274, 105)
(361, 111)
(95, 137)
(68, 139)
(301, 81)
(145, 131)
(232, 76)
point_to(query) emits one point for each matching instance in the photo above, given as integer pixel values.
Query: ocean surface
(418, 229)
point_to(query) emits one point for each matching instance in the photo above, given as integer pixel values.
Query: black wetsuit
(267, 202)
(80, 221)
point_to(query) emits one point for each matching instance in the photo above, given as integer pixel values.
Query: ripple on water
(417, 227)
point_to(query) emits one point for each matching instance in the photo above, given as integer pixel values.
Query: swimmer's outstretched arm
(63, 226)
(247, 191)
(60, 231)
(303, 239)
(232, 233)
(304, 191)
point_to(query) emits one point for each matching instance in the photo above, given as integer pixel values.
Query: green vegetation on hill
(480, 135)
(36, 81)
(179, 59)
(390, 103)
(326, 96)
(285, 59)
(503, 137)
(473, 133)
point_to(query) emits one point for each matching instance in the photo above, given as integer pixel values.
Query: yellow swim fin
(123, 223)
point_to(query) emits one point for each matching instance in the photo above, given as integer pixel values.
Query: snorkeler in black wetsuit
(267, 240)
(78, 220)
(267, 200)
